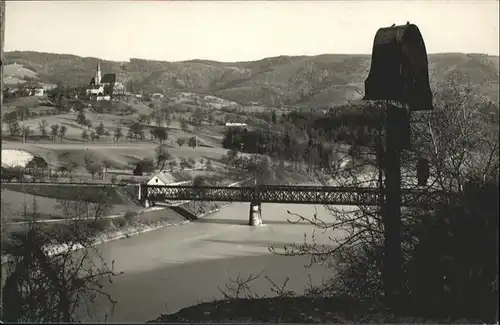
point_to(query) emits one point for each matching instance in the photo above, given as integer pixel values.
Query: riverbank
(339, 310)
(138, 227)
(125, 226)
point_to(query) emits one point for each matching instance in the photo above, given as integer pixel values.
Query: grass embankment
(291, 310)
(125, 216)
(47, 201)
(119, 156)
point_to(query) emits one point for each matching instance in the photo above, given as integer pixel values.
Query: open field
(119, 156)
(14, 74)
(17, 201)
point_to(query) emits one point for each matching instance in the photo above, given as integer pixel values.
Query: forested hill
(322, 80)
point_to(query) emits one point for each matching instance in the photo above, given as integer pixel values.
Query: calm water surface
(176, 267)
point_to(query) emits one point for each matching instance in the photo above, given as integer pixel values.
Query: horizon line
(238, 61)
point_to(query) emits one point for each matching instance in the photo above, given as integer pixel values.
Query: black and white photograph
(249, 162)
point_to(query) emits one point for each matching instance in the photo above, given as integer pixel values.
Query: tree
(210, 118)
(23, 112)
(193, 142)
(54, 130)
(62, 131)
(14, 128)
(172, 163)
(461, 144)
(94, 168)
(161, 134)
(145, 166)
(88, 124)
(10, 117)
(42, 127)
(162, 156)
(167, 117)
(137, 170)
(159, 118)
(118, 134)
(85, 135)
(191, 162)
(100, 130)
(184, 125)
(106, 164)
(137, 130)
(181, 141)
(70, 167)
(209, 165)
(45, 285)
(81, 118)
(93, 136)
(25, 131)
(184, 163)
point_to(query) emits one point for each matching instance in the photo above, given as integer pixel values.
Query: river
(176, 267)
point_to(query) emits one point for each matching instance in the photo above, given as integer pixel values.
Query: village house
(37, 166)
(165, 178)
(235, 124)
(157, 96)
(39, 92)
(162, 178)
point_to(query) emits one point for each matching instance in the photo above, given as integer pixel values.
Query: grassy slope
(314, 81)
(47, 203)
(119, 156)
(14, 74)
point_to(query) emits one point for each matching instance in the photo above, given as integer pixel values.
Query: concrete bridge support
(255, 216)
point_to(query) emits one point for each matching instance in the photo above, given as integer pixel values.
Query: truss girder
(286, 194)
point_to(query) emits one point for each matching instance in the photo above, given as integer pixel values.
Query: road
(172, 268)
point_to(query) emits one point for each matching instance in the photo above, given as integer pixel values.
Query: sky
(242, 30)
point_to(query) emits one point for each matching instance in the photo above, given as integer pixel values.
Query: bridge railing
(288, 194)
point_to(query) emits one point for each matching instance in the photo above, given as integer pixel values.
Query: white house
(235, 124)
(39, 92)
(164, 178)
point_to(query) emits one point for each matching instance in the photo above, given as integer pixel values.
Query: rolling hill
(313, 81)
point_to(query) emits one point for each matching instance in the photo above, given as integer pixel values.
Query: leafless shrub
(240, 288)
(52, 271)
(461, 143)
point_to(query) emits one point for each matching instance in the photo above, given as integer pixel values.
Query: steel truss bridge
(285, 194)
(328, 195)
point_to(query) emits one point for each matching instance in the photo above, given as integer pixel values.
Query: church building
(104, 87)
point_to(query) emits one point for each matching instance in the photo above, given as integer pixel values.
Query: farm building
(39, 92)
(235, 124)
(164, 178)
(37, 166)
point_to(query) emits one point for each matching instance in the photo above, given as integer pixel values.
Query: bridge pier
(255, 216)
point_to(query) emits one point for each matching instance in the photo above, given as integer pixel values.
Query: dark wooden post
(392, 210)
(398, 73)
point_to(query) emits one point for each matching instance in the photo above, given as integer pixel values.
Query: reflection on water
(172, 268)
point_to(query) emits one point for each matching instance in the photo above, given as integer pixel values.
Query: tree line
(308, 137)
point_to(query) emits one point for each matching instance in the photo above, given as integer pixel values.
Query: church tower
(98, 74)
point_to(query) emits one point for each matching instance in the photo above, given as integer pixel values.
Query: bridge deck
(283, 194)
(268, 194)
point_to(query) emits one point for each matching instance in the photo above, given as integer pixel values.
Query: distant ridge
(322, 80)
